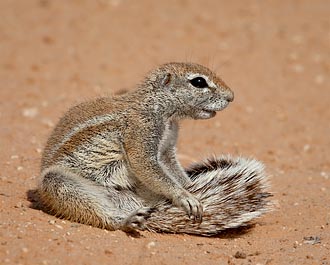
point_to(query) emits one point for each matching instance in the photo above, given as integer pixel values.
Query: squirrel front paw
(191, 205)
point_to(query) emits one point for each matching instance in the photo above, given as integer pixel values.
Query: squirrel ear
(165, 79)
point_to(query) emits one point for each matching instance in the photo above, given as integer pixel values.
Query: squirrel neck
(150, 101)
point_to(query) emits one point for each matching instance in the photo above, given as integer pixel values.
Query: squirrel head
(198, 93)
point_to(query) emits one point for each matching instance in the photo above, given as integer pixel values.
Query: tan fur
(111, 162)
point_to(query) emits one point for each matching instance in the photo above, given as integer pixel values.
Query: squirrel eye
(199, 82)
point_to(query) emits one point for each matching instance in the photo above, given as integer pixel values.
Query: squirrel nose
(230, 96)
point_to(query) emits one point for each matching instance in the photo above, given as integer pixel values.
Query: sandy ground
(274, 54)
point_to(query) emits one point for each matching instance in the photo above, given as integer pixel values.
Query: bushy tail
(233, 191)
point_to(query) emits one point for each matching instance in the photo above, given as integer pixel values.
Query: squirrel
(111, 162)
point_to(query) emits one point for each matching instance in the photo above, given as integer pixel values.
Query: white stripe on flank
(98, 120)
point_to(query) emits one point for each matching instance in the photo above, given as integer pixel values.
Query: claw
(191, 205)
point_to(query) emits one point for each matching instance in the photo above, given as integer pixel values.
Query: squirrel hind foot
(137, 219)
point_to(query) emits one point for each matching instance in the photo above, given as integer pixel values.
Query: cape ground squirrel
(111, 162)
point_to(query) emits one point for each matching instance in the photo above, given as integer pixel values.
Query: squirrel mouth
(209, 110)
(208, 113)
(213, 110)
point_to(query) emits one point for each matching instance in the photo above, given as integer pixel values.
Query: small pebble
(25, 250)
(295, 244)
(240, 255)
(30, 112)
(312, 240)
(324, 174)
(151, 244)
(306, 148)
(38, 150)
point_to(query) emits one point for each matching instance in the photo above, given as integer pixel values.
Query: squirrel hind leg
(233, 192)
(70, 196)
